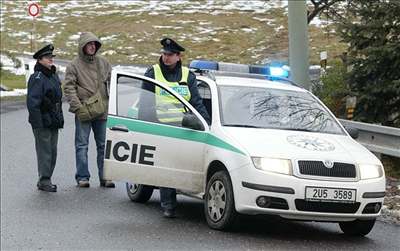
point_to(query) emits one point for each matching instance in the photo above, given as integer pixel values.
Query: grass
(392, 166)
(11, 80)
(139, 34)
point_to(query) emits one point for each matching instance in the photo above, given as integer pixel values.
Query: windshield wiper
(241, 125)
(297, 129)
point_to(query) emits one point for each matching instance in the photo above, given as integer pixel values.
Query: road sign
(33, 9)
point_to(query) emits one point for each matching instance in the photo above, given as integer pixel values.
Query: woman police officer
(45, 114)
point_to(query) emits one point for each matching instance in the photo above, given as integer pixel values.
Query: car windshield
(258, 107)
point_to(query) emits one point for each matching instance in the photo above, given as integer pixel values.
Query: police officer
(45, 114)
(169, 70)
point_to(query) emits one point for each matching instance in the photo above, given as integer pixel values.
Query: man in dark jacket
(170, 71)
(45, 114)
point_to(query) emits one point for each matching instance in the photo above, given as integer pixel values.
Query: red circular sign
(33, 9)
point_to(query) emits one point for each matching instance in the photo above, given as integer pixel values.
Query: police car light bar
(274, 71)
(278, 72)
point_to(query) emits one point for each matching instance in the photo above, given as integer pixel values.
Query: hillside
(231, 31)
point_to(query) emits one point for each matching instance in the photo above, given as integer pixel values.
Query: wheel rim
(216, 201)
(132, 187)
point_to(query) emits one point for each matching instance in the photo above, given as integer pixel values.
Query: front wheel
(138, 192)
(357, 227)
(219, 205)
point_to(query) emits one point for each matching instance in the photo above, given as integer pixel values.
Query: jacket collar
(88, 58)
(46, 71)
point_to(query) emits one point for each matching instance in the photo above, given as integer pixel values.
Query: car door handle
(119, 128)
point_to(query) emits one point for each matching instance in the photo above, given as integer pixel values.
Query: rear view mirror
(191, 121)
(353, 132)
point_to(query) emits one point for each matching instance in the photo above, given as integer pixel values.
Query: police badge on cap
(170, 46)
(47, 50)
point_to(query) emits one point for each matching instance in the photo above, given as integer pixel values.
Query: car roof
(254, 82)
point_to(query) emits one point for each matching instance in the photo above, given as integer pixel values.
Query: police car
(271, 148)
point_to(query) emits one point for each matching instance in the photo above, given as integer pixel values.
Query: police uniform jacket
(44, 98)
(175, 75)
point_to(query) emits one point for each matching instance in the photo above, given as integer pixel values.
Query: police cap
(47, 50)
(170, 46)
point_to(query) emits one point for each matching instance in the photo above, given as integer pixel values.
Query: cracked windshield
(275, 109)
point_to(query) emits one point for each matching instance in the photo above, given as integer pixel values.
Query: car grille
(326, 207)
(317, 168)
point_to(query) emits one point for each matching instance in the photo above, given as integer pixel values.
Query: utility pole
(298, 43)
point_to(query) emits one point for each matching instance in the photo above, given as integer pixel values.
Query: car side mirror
(191, 121)
(353, 132)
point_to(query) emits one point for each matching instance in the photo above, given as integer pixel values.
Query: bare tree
(329, 7)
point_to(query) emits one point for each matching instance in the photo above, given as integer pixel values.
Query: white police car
(272, 148)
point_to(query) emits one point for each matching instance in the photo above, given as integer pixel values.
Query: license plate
(330, 194)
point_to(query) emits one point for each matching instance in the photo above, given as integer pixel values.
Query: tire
(219, 203)
(138, 192)
(357, 227)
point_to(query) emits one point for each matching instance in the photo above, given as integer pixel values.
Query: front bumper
(250, 183)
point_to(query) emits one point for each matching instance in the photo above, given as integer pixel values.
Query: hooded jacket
(81, 77)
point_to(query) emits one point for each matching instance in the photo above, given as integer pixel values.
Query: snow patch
(248, 30)
(281, 27)
(75, 36)
(109, 52)
(19, 34)
(320, 23)
(112, 37)
(167, 27)
(15, 92)
(8, 64)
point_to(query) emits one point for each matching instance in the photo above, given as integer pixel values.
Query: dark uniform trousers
(46, 152)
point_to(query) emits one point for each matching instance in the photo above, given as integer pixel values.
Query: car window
(258, 107)
(205, 94)
(147, 101)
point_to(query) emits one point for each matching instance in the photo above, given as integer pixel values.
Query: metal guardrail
(376, 138)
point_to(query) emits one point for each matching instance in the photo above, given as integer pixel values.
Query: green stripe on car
(170, 131)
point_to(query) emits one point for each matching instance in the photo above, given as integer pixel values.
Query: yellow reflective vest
(169, 109)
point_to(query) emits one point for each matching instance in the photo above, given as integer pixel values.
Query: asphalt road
(98, 218)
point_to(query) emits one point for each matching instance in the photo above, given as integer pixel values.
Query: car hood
(300, 145)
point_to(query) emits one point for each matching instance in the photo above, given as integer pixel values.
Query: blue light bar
(204, 65)
(273, 71)
(276, 71)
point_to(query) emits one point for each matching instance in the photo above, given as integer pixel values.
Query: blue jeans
(82, 133)
(168, 198)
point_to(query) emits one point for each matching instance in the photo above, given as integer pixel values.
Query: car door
(143, 148)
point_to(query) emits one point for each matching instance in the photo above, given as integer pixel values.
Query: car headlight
(368, 171)
(283, 166)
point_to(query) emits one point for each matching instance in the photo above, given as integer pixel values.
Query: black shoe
(107, 183)
(47, 188)
(169, 213)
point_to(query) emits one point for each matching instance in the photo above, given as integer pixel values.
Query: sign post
(33, 10)
(323, 59)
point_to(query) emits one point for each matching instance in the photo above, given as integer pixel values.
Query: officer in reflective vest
(169, 109)
(169, 70)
